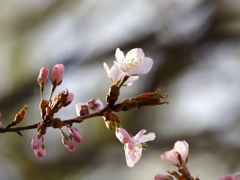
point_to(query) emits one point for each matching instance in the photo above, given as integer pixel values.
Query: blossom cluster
(125, 70)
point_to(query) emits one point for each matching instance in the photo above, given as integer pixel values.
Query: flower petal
(170, 157)
(182, 148)
(147, 137)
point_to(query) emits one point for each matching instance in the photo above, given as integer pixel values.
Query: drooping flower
(134, 63)
(116, 75)
(40, 151)
(133, 149)
(180, 148)
(57, 74)
(43, 76)
(37, 141)
(162, 177)
(236, 176)
(67, 142)
(75, 134)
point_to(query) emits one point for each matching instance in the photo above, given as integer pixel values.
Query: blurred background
(195, 46)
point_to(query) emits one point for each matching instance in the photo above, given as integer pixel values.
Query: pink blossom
(162, 177)
(116, 75)
(236, 176)
(57, 74)
(0, 124)
(95, 104)
(75, 134)
(67, 142)
(43, 76)
(134, 63)
(133, 149)
(37, 141)
(181, 148)
(122, 135)
(82, 109)
(40, 151)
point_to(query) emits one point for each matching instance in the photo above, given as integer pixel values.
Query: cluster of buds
(125, 70)
(51, 106)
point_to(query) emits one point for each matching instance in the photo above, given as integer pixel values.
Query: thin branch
(78, 119)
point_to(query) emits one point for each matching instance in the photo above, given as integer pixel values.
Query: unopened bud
(57, 74)
(75, 134)
(41, 151)
(67, 142)
(43, 76)
(37, 141)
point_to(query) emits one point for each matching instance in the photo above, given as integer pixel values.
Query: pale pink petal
(147, 137)
(182, 148)
(170, 157)
(139, 135)
(132, 157)
(122, 135)
(236, 176)
(162, 177)
(134, 62)
(227, 177)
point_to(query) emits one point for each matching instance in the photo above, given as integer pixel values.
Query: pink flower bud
(75, 134)
(162, 177)
(43, 76)
(180, 148)
(40, 151)
(122, 135)
(69, 99)
(0, 124)
(57, 74)
(37, 141)
(67, 142)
